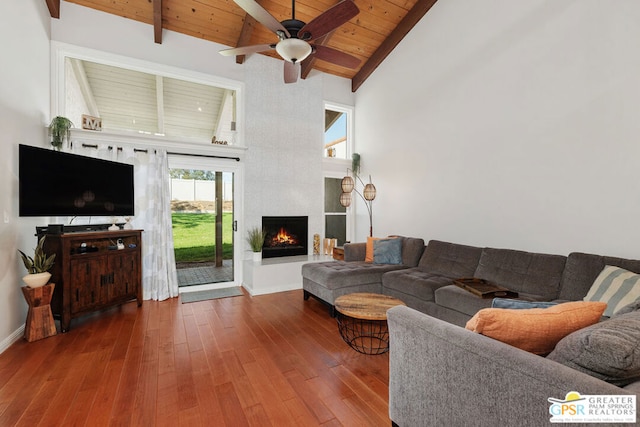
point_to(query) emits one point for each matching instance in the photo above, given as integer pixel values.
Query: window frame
(60, 51)
(348, 110)
(333, 167)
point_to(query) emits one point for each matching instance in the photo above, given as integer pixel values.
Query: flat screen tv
(52, 183)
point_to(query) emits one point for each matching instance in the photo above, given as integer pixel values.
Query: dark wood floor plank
(269, 360)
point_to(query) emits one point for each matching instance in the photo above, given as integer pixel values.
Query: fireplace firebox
(285, 236)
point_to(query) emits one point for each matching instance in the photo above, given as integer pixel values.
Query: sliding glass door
(204, 219)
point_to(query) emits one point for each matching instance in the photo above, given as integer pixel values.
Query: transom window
(129, 100)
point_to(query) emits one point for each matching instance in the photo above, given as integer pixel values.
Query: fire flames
(283, 238)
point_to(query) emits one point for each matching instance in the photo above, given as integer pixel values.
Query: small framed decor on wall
(91, 123)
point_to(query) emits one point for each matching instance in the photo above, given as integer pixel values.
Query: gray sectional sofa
(485, 379)
(444, 375)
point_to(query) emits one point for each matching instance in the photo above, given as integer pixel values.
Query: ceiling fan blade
(329, 20)
(261, 15)
(291, 71)
(245, 50)
(334, 56)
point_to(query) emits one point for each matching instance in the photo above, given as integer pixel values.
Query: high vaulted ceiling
(370, 36)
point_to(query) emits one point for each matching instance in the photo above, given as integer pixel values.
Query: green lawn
(194, 236)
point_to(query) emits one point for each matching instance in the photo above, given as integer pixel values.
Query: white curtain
(152, 187)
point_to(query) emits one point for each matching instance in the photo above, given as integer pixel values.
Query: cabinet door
(86, 287)
(125, 268)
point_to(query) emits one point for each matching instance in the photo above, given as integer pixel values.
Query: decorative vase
(37, 280)
(316, 244)
(257, 256)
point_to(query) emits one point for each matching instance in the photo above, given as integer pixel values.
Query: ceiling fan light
(293, 50)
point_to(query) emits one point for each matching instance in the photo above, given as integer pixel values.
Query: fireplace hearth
(286, 236)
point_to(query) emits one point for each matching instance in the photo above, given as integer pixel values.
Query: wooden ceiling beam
(408, 22)
(157, 21)
(54, 8)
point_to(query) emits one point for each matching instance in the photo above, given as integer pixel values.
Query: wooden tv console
(92, 274)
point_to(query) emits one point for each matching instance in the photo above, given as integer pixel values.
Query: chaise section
(331, 279)
(328, 280)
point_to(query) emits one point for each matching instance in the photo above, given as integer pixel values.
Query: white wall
(24, 111)
(510, 124)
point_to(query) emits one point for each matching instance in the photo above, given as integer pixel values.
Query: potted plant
(255, 238)
(37, 266)
(59, 130)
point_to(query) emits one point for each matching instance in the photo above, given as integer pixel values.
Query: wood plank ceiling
(370, 36)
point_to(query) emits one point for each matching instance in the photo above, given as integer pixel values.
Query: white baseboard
(15, 336)
(271, 289)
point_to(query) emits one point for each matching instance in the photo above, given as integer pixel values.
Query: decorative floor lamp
(368, 194)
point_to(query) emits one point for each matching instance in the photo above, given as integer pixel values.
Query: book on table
(483, 288)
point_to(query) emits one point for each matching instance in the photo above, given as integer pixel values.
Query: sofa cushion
(414, 282)
(450, 259)
(455, 298)
(412, 249)
(523, 272)
(582, 269)
(338, 274)
(615, 286)
(387, 251)
(536, 330)
(609, 350)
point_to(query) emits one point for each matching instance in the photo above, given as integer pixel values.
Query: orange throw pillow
(536, 330)
(369, 250)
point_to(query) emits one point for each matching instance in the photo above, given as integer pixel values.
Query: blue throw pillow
(519, 304)
(387, 251)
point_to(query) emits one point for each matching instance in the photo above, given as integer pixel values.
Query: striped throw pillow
(615, 286)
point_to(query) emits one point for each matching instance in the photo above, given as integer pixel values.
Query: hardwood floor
(271, 360)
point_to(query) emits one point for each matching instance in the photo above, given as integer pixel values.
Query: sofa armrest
(441, 374)
(355, 251)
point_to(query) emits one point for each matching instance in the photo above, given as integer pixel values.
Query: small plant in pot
(255, 238)
(59, 130)
(37, 266)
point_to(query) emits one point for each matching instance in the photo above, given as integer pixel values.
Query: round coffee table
(362, 321)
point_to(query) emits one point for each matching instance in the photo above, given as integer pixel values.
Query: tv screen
(52, 183)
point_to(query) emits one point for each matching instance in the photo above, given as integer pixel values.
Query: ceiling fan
(296, 36)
